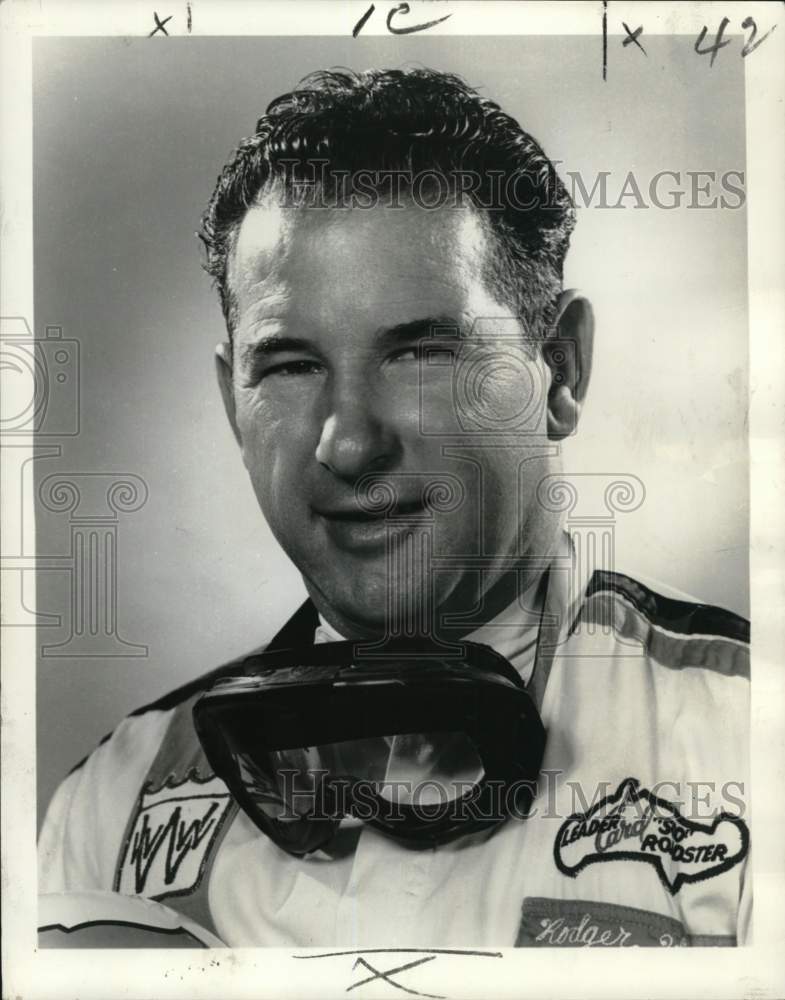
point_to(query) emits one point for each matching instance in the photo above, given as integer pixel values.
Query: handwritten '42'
(752, 43)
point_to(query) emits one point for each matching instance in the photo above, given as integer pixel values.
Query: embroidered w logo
(181, 837)
(171, 838)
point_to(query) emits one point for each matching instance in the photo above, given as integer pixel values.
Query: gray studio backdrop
(129, 136)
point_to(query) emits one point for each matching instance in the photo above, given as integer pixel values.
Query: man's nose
(356, 437)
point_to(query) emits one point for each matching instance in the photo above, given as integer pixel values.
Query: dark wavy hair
(406, 122)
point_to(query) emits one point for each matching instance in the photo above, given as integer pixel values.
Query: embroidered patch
(575, 923)
(174, 830)
(635, 825)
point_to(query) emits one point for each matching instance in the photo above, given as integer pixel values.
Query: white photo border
(757, 970)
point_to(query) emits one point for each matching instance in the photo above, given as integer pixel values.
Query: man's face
(337, 377)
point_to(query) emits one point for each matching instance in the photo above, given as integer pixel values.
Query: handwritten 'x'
(377, 974)
(632, 36)
(159, 24)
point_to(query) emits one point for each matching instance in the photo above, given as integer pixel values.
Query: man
(401, 364)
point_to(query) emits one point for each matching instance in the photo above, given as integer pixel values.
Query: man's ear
(568, 356)
(223, 369)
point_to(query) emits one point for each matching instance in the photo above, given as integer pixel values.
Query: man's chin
(369, 613)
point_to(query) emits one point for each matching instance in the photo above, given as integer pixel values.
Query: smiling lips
(350, 527)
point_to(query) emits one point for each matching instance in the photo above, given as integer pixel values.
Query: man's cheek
(263, 466)
(434, 406)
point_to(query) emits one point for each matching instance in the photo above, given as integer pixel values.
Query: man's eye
(287, 368)
(407, 354)
(441, 355)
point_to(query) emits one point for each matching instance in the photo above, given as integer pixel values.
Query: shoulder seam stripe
(736, 666)
(683, 636)
(723, 623)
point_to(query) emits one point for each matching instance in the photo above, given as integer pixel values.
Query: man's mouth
(354, 512)
(351, 527)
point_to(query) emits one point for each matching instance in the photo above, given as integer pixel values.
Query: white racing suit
(639, 833)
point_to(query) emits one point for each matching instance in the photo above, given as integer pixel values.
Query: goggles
(420, 744)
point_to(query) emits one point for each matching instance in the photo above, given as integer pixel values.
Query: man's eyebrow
(274, 345)
(441, 326)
